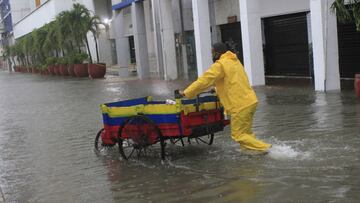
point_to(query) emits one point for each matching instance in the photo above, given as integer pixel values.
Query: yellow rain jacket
(231, 82)
(235, 94)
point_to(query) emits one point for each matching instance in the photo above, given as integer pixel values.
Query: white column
(122, 42)
(215, 34)
(168, 40)
(252, 41)
(140, 40)
(157, 37)
(202, 34)
(89, 4)
(150, 40)
(325, 46)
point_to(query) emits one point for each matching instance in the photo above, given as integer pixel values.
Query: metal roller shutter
(286, 45)
(349, 50)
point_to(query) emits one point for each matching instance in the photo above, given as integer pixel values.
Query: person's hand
(181, 92)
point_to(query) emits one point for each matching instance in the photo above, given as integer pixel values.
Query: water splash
(177, 166)
(283, 151)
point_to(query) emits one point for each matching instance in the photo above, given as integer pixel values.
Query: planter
(34, 70)
(96, 70)
(63, 70)
(44, 72)
(23, 69)
(51, 70)
(71, 70)
(57, 70)
(17, 69)
(357, 85)
(81, 70)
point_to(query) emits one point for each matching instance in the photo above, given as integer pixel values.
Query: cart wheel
(177, 141)
(98, 142)
(137, 134)
(207, 139)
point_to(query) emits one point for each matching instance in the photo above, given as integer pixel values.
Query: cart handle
(197, 104)
(177, 94)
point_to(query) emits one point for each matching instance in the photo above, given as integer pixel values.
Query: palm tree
(52, 41)
(85, 22)
(12, 54)
(347, 11)
(27, 48)
(7, 55)
(65, 33)
(93, 26)
(39, 37)
(18, 53)
(79, 16)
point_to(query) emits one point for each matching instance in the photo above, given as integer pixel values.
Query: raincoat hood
(229, 55)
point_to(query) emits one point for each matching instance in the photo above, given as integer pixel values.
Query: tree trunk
(96, 48)
(13, 59)
(27, 60)
(88, 48)
(10, 64)
(71, 46)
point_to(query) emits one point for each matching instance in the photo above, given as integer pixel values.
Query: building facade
(6, 30)
(291, 38)
(172, 39)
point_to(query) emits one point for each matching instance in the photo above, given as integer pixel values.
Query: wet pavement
(48, 125)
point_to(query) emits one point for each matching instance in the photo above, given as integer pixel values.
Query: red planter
(97, 70)
(57, 70)
(357, 85)
(71, 70)
(63, 70)
(51, 70)
(17, 69)
(23, 69)
(44, 72)
(34, 70)
(81, 70)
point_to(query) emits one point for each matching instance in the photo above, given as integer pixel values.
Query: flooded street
(48, 125)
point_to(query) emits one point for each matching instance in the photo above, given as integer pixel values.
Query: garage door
(286, 45)
(349, 50)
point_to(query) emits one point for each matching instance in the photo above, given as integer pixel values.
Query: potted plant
(12, 50)
(96, 70)
(57, 68)
(72, 61)
(44, 69)
(35, 69)
(63, 62)
(80, 69)
(50, 62)
(6, 57)
(51, 47)
(349, 11)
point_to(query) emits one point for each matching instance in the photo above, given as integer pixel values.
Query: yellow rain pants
(241, 129)
(235, 94)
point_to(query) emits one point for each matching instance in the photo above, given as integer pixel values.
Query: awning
(124, 4)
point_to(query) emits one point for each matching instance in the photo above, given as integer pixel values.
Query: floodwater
(48, 125)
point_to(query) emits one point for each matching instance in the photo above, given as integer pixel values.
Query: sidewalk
(112, 70)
